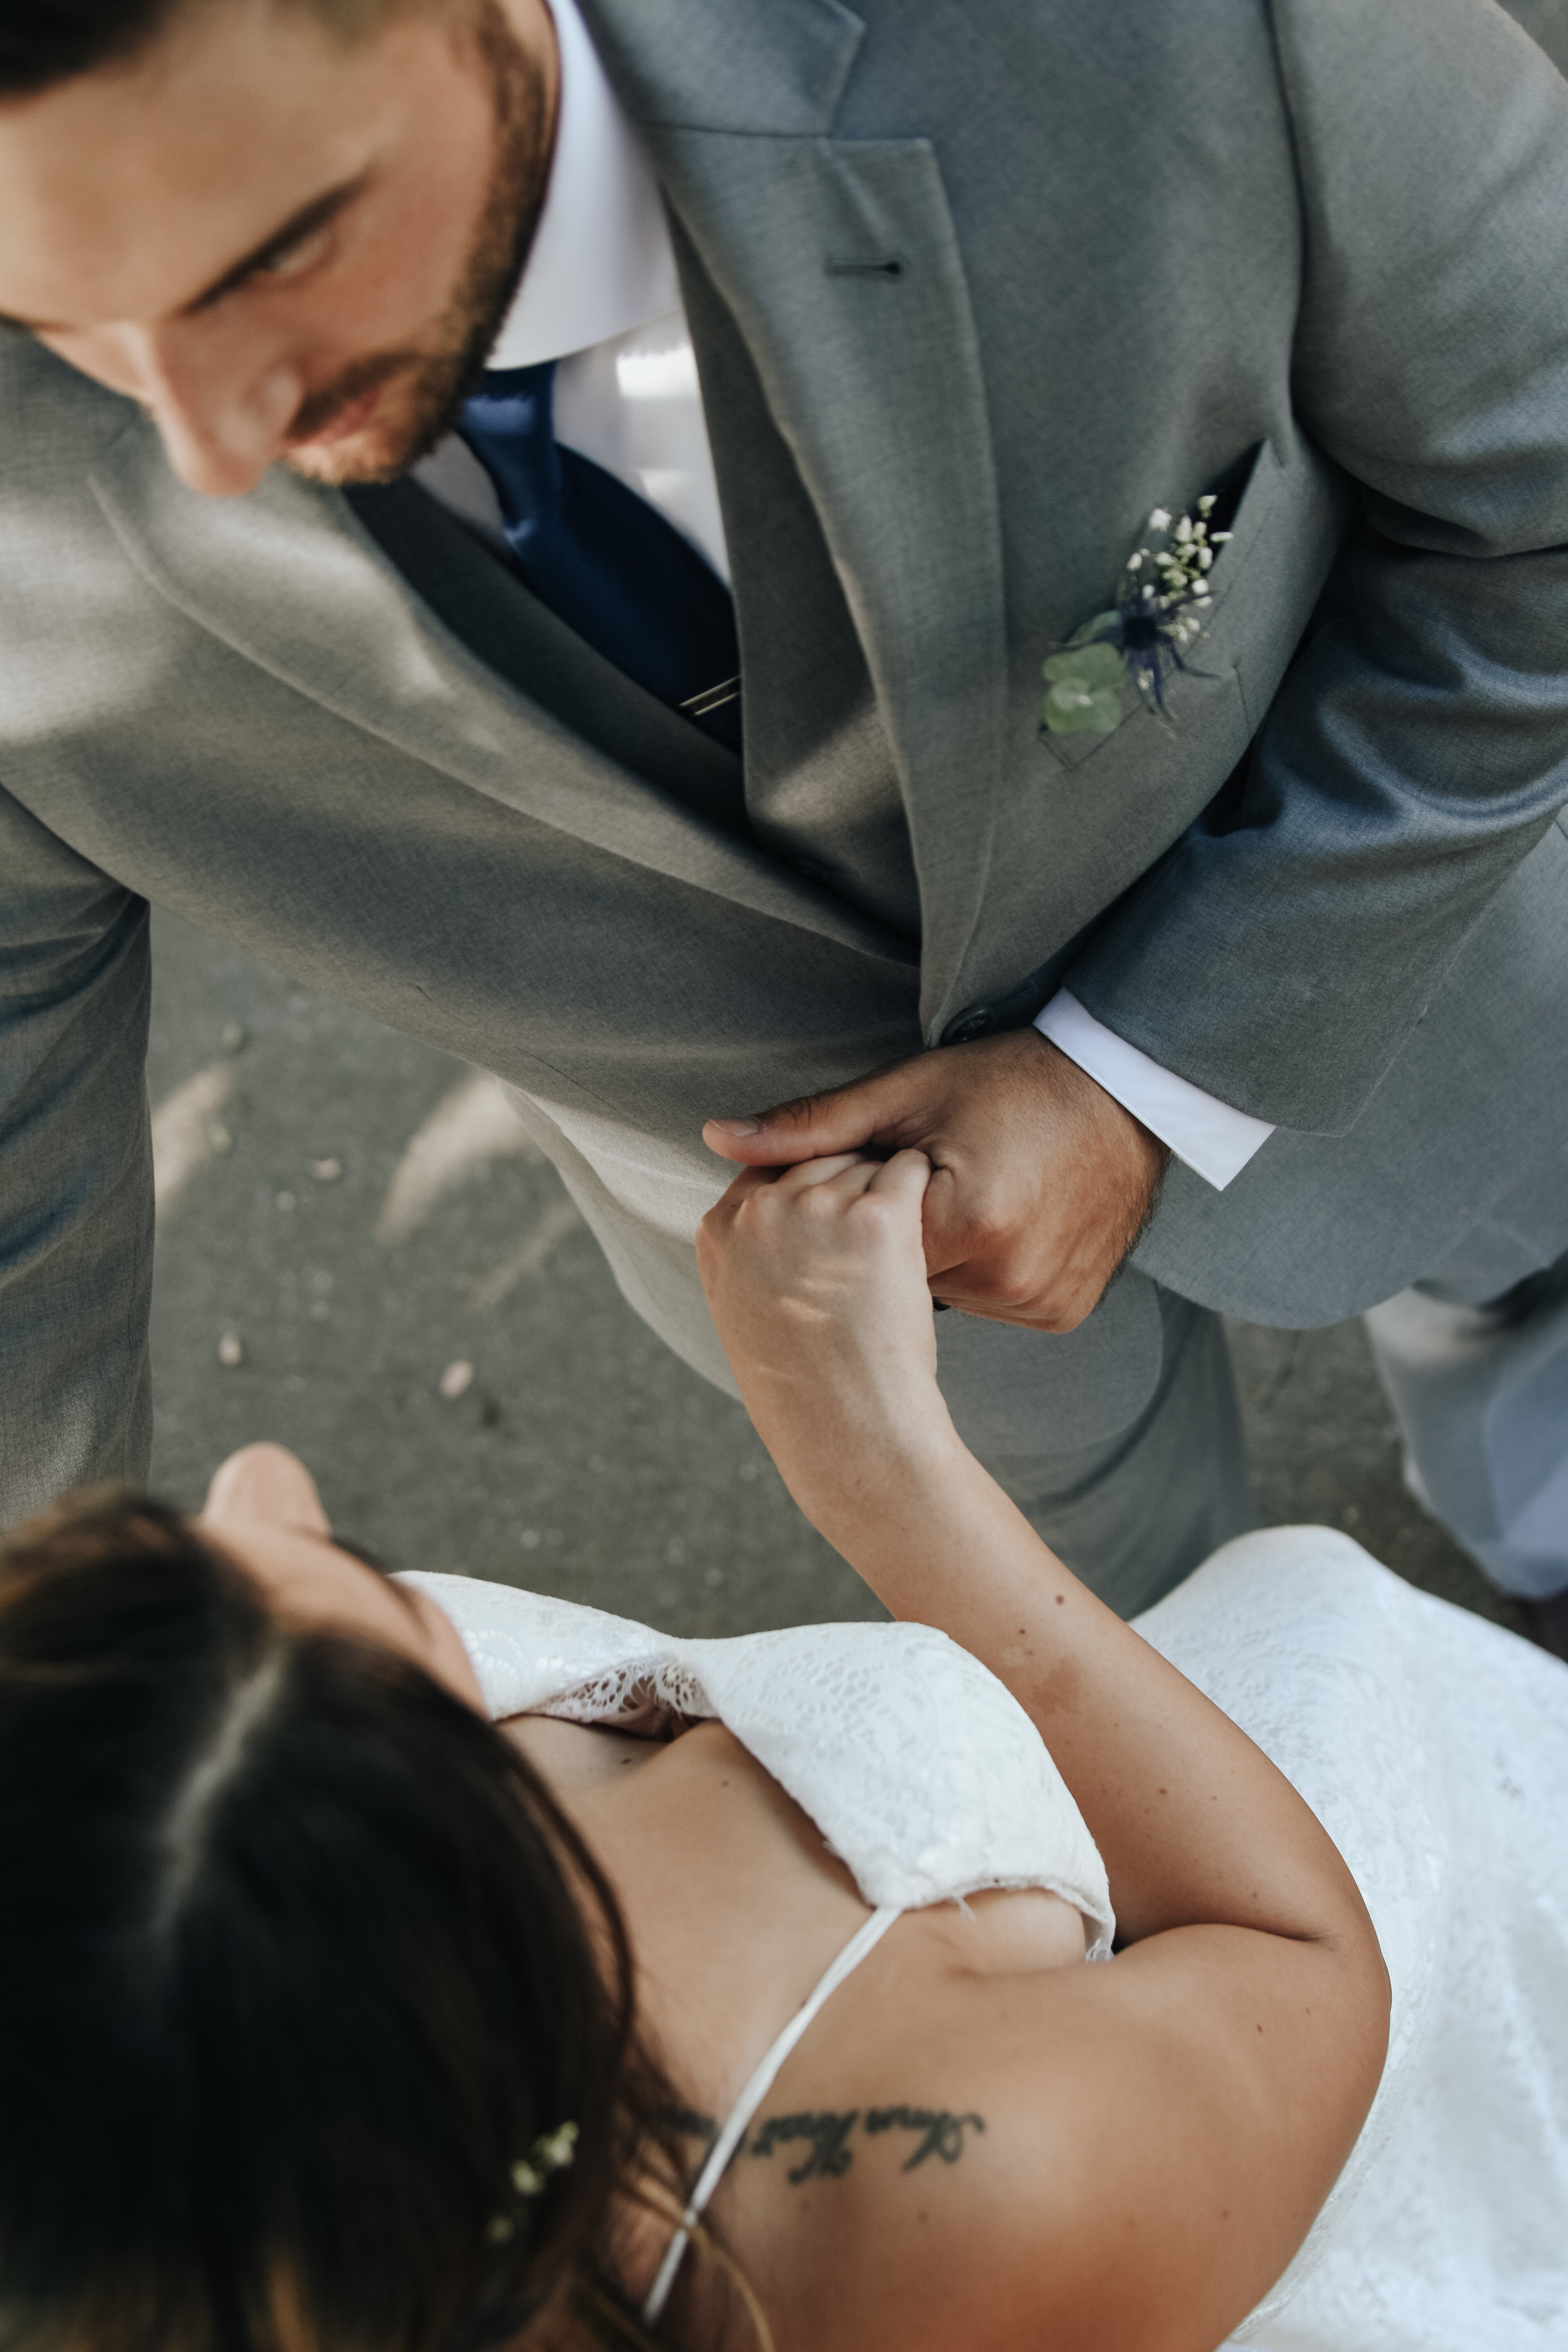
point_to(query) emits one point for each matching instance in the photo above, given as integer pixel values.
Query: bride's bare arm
(1256, 1948)
(817, 1286)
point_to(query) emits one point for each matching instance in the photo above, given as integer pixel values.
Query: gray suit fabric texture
(970, 299)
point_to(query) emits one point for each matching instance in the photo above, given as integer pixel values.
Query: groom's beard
(424, 390)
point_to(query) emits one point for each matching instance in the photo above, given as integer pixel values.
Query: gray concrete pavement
(359, 1255)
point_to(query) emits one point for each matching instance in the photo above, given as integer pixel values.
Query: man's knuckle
(799, 1111)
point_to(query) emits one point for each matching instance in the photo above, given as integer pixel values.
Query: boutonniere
(1158, 613)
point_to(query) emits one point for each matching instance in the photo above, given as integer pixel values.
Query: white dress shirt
(599, 293)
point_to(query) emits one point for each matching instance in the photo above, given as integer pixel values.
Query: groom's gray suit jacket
(972, 292)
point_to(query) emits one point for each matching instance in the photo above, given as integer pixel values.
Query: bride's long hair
(299, 1963)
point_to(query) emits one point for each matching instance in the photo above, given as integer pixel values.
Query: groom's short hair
(43, 42)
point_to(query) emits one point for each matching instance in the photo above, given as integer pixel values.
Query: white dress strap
(762, 2082)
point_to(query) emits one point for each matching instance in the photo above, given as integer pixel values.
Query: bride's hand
(815, 1276)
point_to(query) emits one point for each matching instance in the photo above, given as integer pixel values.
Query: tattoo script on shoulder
(827, 2136)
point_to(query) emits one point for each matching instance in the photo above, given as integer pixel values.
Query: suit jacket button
(978, 1022)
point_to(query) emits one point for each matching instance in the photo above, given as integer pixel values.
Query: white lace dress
(1433, 1747)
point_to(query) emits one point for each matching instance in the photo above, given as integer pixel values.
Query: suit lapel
(872, 376)
(290, 579)
(840, 266)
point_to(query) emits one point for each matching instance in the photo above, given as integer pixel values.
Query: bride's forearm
(817, 1278)
(1194, 1823)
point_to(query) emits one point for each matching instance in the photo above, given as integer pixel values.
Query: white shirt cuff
(1213, 1140)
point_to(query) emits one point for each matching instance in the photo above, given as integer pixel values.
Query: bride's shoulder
(1077, 2157)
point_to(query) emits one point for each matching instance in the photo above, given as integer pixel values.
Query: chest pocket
(1206, 699)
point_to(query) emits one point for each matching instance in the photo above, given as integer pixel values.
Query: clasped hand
(816, 1277)
(1039, 1182)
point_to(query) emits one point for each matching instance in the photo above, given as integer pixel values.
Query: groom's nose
(222, 409)
(222, 402)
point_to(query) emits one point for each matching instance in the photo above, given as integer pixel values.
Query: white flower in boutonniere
(1158, 613)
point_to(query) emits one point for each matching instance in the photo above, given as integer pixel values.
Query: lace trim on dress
(653, 1700)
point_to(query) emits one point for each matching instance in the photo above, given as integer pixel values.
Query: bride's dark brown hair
(297, 1960)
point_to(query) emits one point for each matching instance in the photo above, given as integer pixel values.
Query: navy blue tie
(602, 559)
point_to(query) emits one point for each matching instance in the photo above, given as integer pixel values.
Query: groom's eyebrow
(299, 224)
(295, 229)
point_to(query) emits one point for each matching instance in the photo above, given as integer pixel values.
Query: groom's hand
(1041, 1184)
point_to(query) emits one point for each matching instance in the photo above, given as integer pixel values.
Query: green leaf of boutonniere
(1085, 682)
(1103, 626)
(1162, 598)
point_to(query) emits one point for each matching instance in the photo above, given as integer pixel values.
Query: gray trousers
(1135, 1512)
(1475, 1362)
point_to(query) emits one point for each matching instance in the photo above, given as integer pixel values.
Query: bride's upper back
(876, 2132)
(831, 1769)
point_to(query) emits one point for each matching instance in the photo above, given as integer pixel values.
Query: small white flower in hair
(552, 2152)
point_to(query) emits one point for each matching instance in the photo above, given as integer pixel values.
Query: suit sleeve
(1282, 950)
(75, 1174)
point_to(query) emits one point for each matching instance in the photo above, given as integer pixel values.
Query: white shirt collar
(601, 260)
